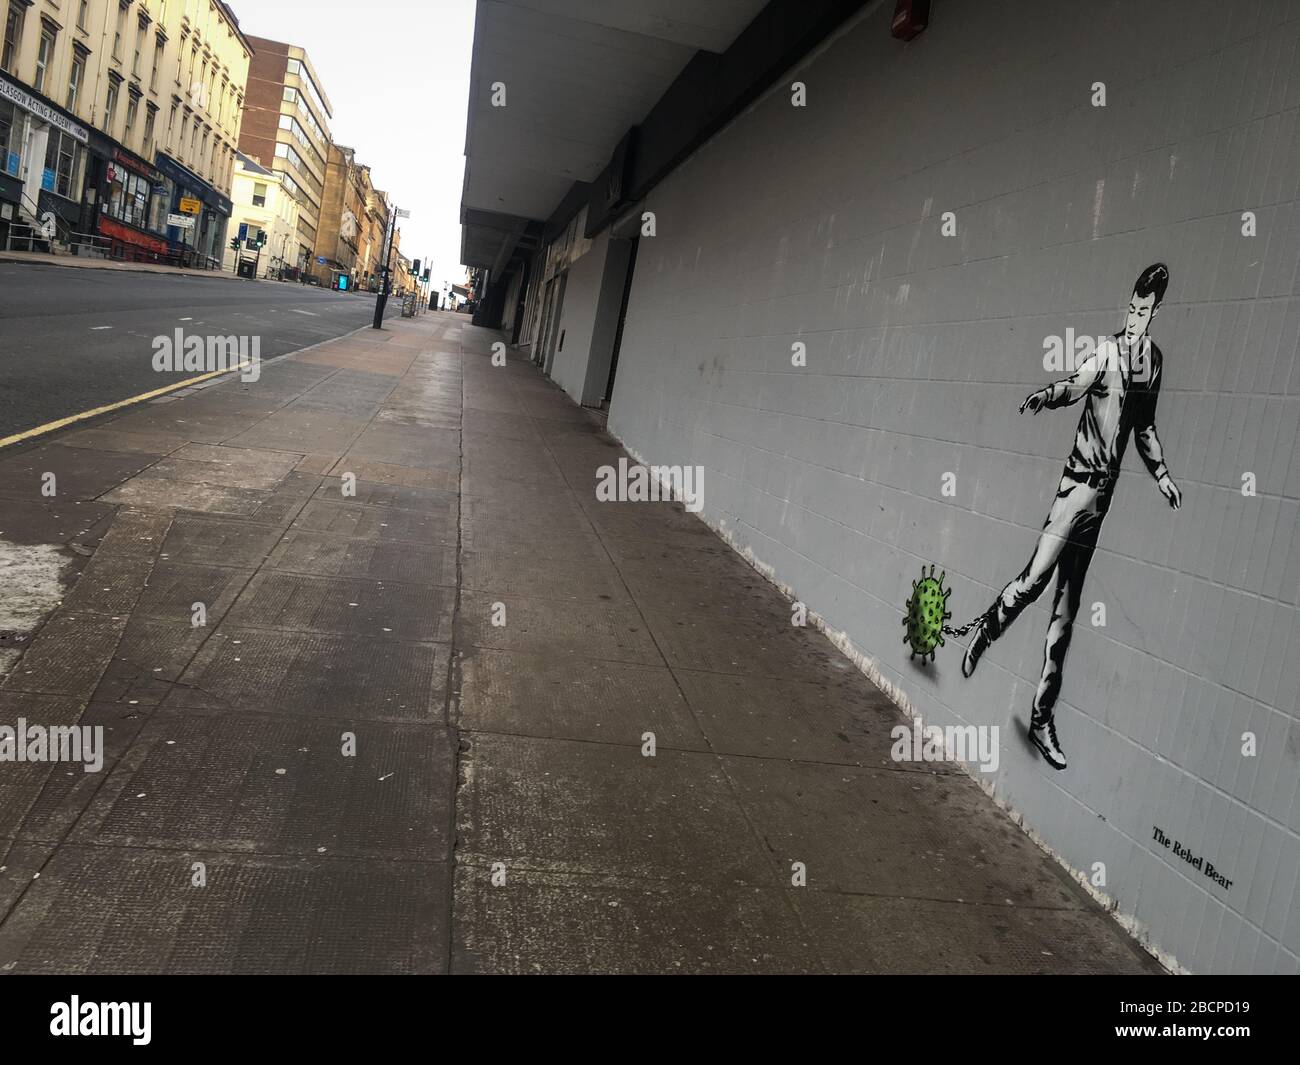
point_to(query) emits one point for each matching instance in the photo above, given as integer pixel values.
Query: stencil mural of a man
(1118, 385)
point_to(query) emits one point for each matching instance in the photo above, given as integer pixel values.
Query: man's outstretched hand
(1170, 491)
(1035, 401)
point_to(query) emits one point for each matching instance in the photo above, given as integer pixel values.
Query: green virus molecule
(927, 610)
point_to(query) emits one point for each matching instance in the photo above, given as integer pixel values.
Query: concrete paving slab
(577, 924)
(844, 720)
(150, 442)
(174, 588)
(538, 695)
(445, 480)
(662, 589)
(299, 430)
(68, 655)
(40, 801)
(941, 837)
(587, 579)
(217, 541)
(409, 446)
(150, 657)
(134, 533)
(78, 473)
(347, 606)
(211, 428)
(222, 474)
(670, 817)
(307, 674)
(24, 521)
(109, 584)
(377, 494)
(898, 937)
(167, 493)
(279, 461)
(277, 785)
(743, 644)
(110, 910)
(284, 502)
(608, 632)
(535, 542)
(375, 523)
(327, 555)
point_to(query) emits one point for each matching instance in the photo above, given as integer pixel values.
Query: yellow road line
(49, 427)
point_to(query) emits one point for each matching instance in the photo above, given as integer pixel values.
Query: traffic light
(260, 241)
(425, 278)
(234, 244)
(415, 268)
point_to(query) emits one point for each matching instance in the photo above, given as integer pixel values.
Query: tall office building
(286, 128)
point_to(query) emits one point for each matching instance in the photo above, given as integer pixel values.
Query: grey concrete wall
(822, 225)
(578, 318)
(589, 318)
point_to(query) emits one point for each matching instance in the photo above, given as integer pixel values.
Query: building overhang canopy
(554, 87)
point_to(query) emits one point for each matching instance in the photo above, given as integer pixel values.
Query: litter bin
(247, 268)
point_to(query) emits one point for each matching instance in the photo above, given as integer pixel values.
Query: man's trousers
(1065, 547)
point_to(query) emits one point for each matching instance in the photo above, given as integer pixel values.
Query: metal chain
(961, 630)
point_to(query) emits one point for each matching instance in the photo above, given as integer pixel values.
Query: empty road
(72, 340)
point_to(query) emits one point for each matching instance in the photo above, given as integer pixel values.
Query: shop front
(197, 214)
(42, 162)
(124, 203)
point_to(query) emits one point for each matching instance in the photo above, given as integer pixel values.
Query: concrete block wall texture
(822, 224)
(593, 296)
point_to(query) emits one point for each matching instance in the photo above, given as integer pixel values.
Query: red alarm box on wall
(910, 18)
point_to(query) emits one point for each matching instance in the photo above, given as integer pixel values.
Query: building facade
(286, 128)
(342, 219)
(374, 229)
(120, 120)
(259, 201)
(830, 269)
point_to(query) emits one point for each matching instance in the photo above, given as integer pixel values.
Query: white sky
(397, 76)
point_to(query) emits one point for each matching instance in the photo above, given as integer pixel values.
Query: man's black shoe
(1042, 734)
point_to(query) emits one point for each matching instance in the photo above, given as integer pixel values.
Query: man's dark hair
(1155, 278)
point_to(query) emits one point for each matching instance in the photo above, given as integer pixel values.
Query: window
(150, 114)
(185, 133)
(119, 33)
(157, 62)
(127, 198)
(132, 109)
(8, 136)
(64, 159)
(171, 126)
(83, 9)
(44, 56)
(14, 19)
(140, 31)
(259, 194)
(75, 77)
(110, 106)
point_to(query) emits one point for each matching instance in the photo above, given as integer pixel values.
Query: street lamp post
(387, 286)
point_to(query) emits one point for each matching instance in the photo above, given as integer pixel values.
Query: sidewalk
(87, 262)
(498, 814)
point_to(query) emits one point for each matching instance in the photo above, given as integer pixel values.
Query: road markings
(312, 313)
(49, 427)
(185, 319)
(95, 327)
